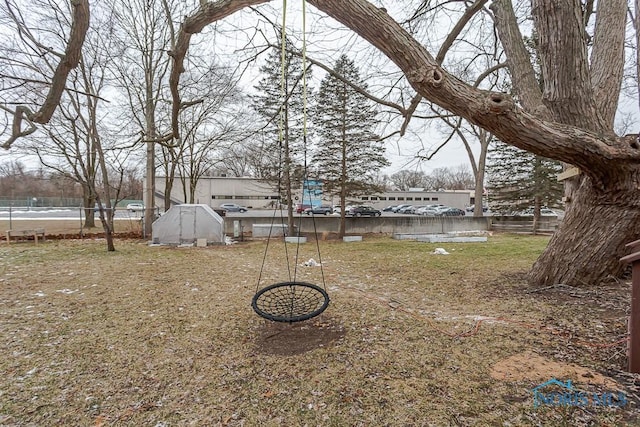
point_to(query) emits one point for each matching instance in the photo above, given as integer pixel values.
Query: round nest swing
(290, 301)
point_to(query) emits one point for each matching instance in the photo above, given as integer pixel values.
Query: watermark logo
(558, 393)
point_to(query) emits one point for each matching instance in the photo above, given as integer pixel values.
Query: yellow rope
(304, 71)
(283, 54)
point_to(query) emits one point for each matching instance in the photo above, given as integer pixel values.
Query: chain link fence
(39, 202)
(68, 221)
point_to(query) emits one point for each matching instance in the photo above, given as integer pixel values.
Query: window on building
(392, 198)
(400, 198)
(364, 198)
(435, 199)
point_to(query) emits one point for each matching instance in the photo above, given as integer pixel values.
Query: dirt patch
(529, 366)
(289, 339)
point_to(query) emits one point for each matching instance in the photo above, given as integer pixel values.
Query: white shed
(186, 224)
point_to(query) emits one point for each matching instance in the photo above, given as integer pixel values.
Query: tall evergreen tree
(280, 101)
(520, 180)
(349, 153)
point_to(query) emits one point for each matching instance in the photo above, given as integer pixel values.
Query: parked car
(413, 209)
(232, 207)
(134, 207)
(451, 212)
(427, 211)
(319, 210)
(389, 208)
(405, 209)
(364, 211)
(337, 209)
(300, 207)
(398, 207)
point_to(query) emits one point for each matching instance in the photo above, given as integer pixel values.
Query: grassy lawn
(162, 336)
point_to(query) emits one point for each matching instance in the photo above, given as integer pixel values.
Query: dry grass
(166, 337)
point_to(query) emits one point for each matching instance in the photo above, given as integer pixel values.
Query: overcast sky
(237, 38)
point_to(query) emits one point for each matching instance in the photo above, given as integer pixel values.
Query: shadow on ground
(289, 339)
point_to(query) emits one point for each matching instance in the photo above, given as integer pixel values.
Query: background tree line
(17, 182)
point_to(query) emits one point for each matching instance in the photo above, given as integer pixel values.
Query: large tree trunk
(168, 189)
(149, 195)
(88, 204)
(591, 239)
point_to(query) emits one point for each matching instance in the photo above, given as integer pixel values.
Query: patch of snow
(311, 263)
(440, 251)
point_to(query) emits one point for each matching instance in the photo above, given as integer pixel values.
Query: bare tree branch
(523, 76)
(79, 27)
(457, 29)
(451, 38)
(206, 14)
(71, 58)
(357, 88)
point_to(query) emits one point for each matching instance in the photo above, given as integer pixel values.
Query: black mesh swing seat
(290, 301)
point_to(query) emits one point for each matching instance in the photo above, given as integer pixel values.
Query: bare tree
(72, 143)
(21, 121)
(469, 134)
(239, 160)
(406, 179)
(451, 178)
(565, 120)
(76, 141)
(208, 126)
(146, 35)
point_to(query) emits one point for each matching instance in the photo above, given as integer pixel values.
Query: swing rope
(280, 144)
(293, 300)
(304, 125)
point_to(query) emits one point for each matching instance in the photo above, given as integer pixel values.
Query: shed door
(187, 225)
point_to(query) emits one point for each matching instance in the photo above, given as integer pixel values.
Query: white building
(214, 191)
(418, 196)
(258, 194)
